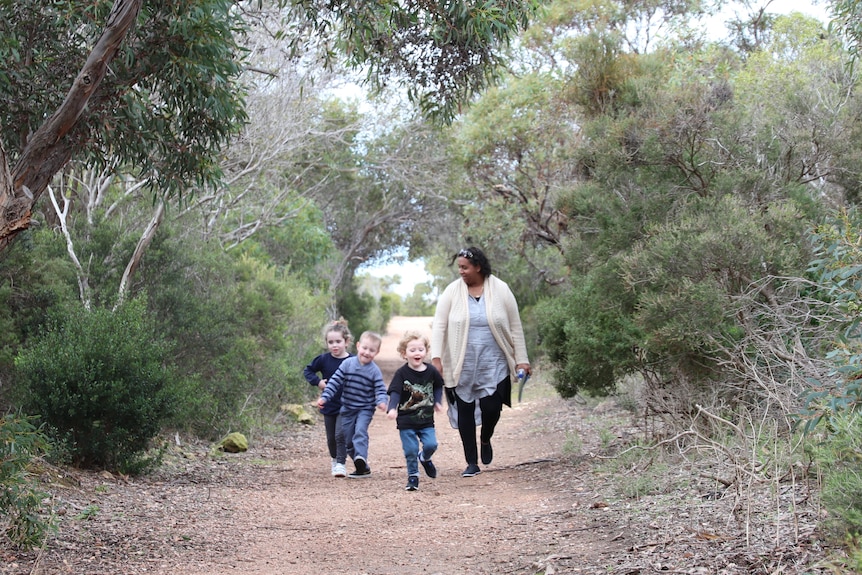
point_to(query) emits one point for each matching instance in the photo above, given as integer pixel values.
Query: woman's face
(470, 273)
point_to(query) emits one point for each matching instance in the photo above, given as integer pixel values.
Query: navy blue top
(326, 365)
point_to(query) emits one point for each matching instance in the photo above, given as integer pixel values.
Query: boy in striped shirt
(362, 389)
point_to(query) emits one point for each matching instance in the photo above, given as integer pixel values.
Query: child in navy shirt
(337, 339)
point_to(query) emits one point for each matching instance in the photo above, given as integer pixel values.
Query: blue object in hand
(523, 377)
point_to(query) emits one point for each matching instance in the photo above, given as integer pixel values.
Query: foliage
(683, 198)
(21, 500)
(838, 457)
(846, 21)
(236, 325)
(441, 52)
(387, 193)
(239, 324)
(682, 272)
(98, 382)
(357, 307)
(516, 144)
(419, 302)
(28, 293)
(587, 336)
(170, 102)
(837, 268)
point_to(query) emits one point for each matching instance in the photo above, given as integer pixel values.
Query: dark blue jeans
(335, 438)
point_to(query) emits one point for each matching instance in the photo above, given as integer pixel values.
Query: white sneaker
(339, 470)
(334, 463)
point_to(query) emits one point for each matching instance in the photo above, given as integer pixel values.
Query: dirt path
(544, 507)
(276, 510)
(509, 519)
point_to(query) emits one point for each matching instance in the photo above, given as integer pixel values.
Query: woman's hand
(525, 367)
(392, 413)
(322, 384)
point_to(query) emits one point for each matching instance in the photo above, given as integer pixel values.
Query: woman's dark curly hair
(477, 257)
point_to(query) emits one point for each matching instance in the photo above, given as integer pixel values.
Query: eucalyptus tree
(394, 195)
(156, 84)
(153, 85)
(693, 173)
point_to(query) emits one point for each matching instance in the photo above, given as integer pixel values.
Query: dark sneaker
(487, 453)
(471, 470)
(412, 483)
(428, 466)
(362, 469)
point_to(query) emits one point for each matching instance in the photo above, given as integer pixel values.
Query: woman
(477, 343)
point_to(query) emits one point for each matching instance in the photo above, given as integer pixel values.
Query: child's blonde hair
(372, 336)
(408, 337)
(340, 326)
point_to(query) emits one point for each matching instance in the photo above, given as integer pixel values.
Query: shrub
(839, 459)
(588, 341)
(97, 380)
(21, 501)
(838, 248)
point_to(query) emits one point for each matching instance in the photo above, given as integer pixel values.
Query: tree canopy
(155, 85)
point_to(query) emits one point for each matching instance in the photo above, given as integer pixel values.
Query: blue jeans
(354, 426)
(410, 439)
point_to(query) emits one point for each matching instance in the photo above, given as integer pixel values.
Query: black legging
(490, 407)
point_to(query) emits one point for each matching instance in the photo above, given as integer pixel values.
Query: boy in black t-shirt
(415, 392)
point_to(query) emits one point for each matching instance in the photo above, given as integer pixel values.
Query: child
(415, 393)
(360, 383)
(337, 338)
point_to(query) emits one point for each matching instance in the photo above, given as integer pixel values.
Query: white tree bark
(138, 254)
(62, 217)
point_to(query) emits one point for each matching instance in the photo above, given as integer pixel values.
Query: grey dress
(484, 362)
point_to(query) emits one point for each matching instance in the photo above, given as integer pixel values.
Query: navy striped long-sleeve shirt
(361, 385)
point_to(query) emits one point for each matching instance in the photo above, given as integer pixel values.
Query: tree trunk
(135, 260)
(48, 149)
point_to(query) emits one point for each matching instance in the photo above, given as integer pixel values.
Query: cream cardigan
(452, 321)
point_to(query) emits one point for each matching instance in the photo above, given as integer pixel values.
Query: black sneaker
(362, 469)
(428, 466)
(412, 483)
(487, 453)
(471, 470)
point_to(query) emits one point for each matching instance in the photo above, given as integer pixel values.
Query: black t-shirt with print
(417, 392)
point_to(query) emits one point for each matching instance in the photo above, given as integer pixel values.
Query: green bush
(238, 326)
(588, 339)
(838, 274)
(839, 457)
(97, 379)
(21, 502)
